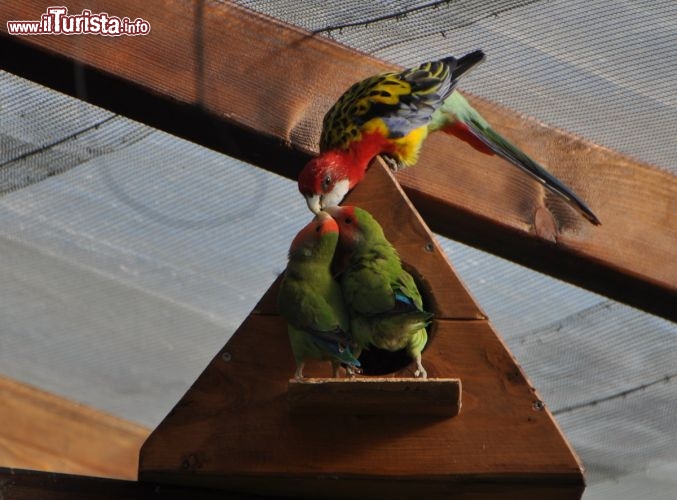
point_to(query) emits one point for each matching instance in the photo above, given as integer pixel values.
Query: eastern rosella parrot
(310, 299)
(386, 308)
(391, 114)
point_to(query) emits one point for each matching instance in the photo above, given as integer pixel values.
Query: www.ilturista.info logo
(56, 21)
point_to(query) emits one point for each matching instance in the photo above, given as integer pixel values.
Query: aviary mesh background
(128, 256)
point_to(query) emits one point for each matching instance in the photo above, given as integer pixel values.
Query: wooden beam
(255, 88)
(46, 432)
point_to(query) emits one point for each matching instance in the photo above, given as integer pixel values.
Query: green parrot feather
(384, 302)
(311, 301)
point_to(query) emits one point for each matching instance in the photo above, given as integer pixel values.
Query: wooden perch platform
(375, 396)
(207, 72)
(233, 428)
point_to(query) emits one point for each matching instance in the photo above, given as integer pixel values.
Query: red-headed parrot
(391, 114)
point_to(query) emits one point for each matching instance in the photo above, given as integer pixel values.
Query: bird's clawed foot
(420, 371)
(392, 163)
(351, 370)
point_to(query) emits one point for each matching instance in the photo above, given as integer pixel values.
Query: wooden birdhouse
(244, 427)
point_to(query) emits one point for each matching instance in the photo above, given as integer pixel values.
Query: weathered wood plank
(374, 396)
(256, 89)
(45, 432)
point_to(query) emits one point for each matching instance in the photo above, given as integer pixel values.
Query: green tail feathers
(456, 108)
(514, 155)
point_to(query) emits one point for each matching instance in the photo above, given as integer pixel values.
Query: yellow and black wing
(403, 101)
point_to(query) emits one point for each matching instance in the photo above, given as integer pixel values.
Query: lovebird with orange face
(384, 303)
(310, 299)
(391, 114)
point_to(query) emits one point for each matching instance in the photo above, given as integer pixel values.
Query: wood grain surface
(43, 431)
(385, 396)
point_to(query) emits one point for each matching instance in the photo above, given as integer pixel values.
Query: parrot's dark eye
(348, 220)
(326, 182)
(317, 229)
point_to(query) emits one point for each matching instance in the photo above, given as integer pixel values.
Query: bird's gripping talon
(420, 371)
(392, 163)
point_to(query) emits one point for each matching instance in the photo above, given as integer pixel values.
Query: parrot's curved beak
(313, 202)
(323, 216)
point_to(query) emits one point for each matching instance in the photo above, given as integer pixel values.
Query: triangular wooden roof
(233, 429)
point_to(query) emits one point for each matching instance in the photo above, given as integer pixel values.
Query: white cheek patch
(336, 195)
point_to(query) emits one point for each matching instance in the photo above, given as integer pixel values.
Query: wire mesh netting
(126, 272)
(603, 70)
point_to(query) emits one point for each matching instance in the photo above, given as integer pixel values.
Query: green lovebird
(385, 306)
(310, 299)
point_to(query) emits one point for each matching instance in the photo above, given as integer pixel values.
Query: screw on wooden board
(191, 462)
(226, 356)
